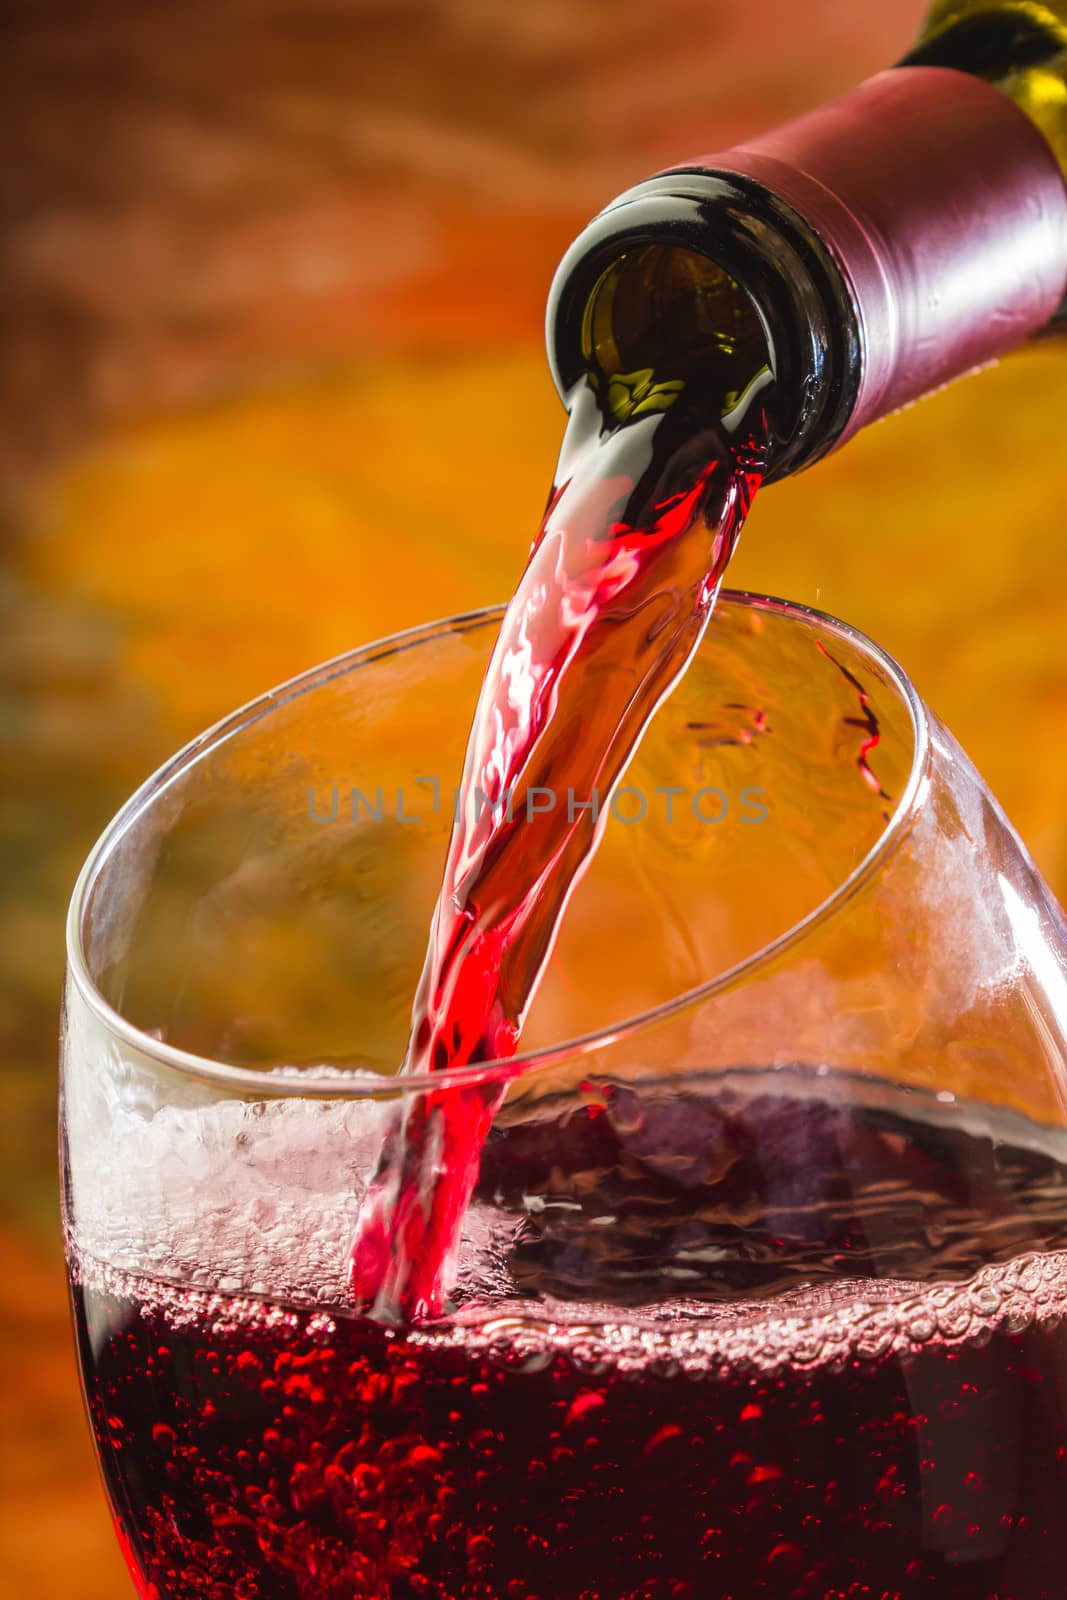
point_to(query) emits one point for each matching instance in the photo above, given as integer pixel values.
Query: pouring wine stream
(655, 479)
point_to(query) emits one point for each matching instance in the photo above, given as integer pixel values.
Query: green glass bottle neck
(1018, 46)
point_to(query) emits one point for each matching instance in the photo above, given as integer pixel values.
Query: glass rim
(326, 1082)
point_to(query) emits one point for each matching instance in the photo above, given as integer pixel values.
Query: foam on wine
(840, 1433)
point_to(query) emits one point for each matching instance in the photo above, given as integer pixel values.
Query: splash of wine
(652, 488)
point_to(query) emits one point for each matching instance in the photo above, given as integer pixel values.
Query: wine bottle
(877, 247)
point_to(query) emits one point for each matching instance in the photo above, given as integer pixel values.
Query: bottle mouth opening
(664, 322)
(707, 272)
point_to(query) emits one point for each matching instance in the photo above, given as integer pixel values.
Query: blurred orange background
(272, 280)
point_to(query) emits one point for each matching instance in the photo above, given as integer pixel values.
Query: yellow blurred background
(272, 280)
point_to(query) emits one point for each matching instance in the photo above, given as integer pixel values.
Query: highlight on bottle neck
(884, 244)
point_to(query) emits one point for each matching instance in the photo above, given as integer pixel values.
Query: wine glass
(763, 1288)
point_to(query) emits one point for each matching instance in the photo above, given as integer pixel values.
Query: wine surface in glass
(844, 1373)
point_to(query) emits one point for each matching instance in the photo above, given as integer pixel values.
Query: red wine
(843, 1436)
(655, 480)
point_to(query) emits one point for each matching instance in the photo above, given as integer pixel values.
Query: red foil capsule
(945, 212)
